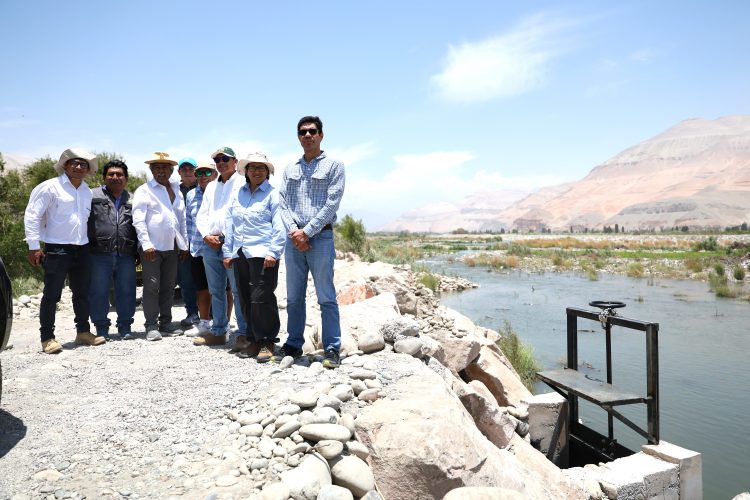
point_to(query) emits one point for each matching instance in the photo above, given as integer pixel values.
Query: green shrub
(694, 264)
(739, 273)
(351, 235)
(520, 355)
(719, 268)
(429, 280)
(709, 244)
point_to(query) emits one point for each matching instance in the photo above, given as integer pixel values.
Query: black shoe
(332, 359)
(286, 350)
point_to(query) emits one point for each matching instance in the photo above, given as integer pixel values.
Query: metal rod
(608, 332)
(572, 364)
(652, 382)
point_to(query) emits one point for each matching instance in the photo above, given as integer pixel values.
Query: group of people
(220, 233)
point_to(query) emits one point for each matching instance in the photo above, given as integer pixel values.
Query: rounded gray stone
(319, 432)
(342, 392)
(287, 429)
(353, 474)
(333, 492)
(329, 449)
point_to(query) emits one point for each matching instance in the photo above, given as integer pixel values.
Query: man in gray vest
(113, 244)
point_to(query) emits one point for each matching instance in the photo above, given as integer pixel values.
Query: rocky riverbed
(423, 404)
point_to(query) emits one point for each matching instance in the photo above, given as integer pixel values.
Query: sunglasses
(222, 159)
(204, 173)
(303, 132)
(261, 168)
(79, 163)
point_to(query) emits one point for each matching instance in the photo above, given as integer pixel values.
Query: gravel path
(139, 419)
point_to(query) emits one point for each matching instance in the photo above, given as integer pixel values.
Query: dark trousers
(159, 280)
(60, 262)
(256, 286)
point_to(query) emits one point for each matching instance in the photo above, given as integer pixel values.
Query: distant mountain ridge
(695, 174)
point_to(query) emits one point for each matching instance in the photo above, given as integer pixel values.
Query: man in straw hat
(210, 223)
(159, 221)
(57, 214)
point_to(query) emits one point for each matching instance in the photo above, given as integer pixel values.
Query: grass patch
(493, 261)
(520, 355)
(429, 280)
(635, 270)
(28, 285)
(739, 273)
(694, 264)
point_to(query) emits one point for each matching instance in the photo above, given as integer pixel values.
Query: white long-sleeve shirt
(216, 199)
(58, 212)
(159, 222)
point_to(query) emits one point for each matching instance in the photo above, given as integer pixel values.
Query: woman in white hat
(254, 241)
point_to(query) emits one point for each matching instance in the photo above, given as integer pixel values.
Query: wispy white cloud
(643, 55)
(506, 65)
(411, 181)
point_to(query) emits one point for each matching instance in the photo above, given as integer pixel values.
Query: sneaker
(170, 329)
(204, 326)
(153, 334)
(266, 352)
(51, 346)
(332, 359)
(190, 321)
(210, 339)
(286, 350)
(88, 338)
(127, 335)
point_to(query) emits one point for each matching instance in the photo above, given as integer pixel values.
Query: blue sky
(424, 101)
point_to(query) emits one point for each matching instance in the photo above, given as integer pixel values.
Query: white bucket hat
(72, 154)
(254, 158)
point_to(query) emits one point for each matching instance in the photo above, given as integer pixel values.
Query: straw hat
(254, 158)
(160, 157)
(72, 154)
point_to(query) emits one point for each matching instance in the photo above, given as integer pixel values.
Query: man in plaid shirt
(310, 193)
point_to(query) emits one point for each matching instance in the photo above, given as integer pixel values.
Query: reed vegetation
(520, 355)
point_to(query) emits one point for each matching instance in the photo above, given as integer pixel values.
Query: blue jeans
(187, 285)
(216, 275)
(318, 260)
(60, 262)
(106, 269)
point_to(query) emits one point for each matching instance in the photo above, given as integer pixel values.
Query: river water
(704, 345)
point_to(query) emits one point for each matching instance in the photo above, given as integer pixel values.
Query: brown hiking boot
(88, 338)
(210, 339)
(51, 346)
(266, 352)
(240, 344)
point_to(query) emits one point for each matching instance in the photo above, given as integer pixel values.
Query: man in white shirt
(210, 223)
(57, 214)
(159, 221)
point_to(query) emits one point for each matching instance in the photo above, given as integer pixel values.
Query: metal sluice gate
(585, 444)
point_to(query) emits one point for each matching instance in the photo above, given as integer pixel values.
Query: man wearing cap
(310, 193)
(186, 168)
(205, 175)
(57, 214)
(113, 245)
(159, 221)
(210, 222)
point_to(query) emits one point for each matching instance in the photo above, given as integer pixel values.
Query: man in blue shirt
(310, 193)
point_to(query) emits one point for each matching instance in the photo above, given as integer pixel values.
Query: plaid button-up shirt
(310, 193)
(193, 202)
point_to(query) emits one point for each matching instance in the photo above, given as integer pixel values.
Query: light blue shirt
(193, 203)
(253, 223)
(311, 193)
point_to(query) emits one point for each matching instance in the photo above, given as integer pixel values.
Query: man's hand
(228, 262)
(300, 240)
(212, 241)
(150, 254)
(269, 261)
(35, 257)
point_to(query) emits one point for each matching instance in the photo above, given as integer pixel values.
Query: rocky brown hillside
(695, 174)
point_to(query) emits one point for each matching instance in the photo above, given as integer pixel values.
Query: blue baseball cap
(188, 160)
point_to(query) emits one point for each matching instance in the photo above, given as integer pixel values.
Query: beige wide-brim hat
(72, 154)
(159, 157)
(254, 158)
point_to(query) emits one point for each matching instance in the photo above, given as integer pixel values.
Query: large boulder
(494, 370)
(424, 443)
(495, 424)
(355, 293)
(398, 285)
(458, 352)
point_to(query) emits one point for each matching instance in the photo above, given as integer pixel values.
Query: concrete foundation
(548, 426)
(690, 465)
